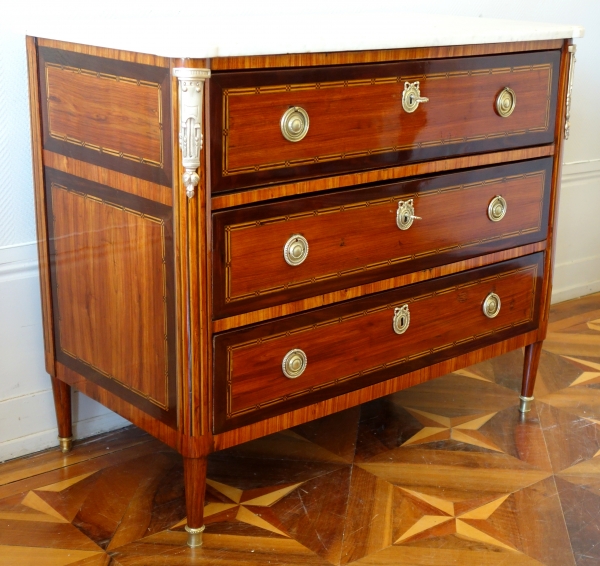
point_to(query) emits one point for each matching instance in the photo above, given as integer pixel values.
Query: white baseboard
(32, 418)
(577, 264)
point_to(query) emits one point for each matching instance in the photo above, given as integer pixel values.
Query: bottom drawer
(347, 346)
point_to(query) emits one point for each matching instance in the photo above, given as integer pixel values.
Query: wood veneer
(250, 196)
(250, 271)
(353, 344)
(132, 134)
(373, 56)
(40, 204)
(357, 121)
(113, 290)
(375, 287)
(113, 179)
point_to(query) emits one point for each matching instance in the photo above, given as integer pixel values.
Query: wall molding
(580, 172)
(19, 262)
(17, 413)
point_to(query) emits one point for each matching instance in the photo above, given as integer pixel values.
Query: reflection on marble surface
(447, 472)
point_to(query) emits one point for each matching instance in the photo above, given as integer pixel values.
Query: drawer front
(353, 237)
(354, 344)
(356, 118)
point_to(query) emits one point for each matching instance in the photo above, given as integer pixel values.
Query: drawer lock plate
(401, 319)
(405, 214)
(411, 97)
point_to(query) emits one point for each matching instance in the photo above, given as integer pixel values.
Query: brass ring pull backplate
(295, 250)
(405, 215)
(506, 102)
(497, 209)
(401, 319)
(491, 305)
(294, 363)
(411, 97)
(294, 124)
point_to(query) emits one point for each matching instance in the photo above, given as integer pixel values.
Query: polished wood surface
(40, 205)
(375, 56)
(446, 472)
(110, 113)
(113, 290)
(530, 368)
(377, 286)
(559, 134)
(113, 179)
(377, 175)
(352, 345)
(249, 266)
(61, 393)
(105, 52)
(357, 120)
(194, 470)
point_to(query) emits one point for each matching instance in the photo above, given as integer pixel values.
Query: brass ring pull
(405, 215)
(506, 102)
(491, 305)
(295, 250)
(401, 319)
(294, 363)
(294, 124)
(411, 97)
(497, 209)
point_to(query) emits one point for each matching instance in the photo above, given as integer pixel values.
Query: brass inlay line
(100, 149)
(143, 216)
(250, 91)
(339, 320)
(229, 297)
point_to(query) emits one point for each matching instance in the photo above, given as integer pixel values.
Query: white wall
(27, 420)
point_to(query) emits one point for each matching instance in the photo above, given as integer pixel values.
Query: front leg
(530, 367)
(194, 470)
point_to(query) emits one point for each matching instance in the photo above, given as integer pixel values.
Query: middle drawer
(275, 253)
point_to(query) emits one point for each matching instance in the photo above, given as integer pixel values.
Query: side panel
(115, 114)
(113, 290)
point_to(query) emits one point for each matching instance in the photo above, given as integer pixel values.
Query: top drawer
(356, 118)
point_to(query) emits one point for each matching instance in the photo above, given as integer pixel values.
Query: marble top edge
(217, 37)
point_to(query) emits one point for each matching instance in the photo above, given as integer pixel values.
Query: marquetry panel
(113, 290)
(357, 120)
(250, 269)
(354, 344)
(115, 114)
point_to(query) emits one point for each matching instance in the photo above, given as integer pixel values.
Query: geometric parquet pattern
(444, 473)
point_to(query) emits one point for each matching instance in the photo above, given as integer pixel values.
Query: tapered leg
(194, 470)
(62, 406)
(530, 367)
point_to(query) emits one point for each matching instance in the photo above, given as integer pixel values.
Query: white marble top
(221, 33)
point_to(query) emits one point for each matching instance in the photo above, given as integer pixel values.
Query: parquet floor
(440, 474)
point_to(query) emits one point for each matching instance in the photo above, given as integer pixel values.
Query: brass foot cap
(525, 405)
(66, 444)
(194, 536)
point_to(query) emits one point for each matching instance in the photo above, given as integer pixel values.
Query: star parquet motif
(446, 472)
